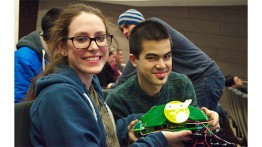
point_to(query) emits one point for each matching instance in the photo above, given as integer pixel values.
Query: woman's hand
(131, 133)
(175, 139)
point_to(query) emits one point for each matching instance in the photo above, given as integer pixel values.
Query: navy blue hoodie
(64, 114)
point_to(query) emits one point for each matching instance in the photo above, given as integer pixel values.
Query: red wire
(195, 143)
(206, 138)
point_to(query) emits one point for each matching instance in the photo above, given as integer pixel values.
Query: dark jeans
(222, 115)
(209, 90)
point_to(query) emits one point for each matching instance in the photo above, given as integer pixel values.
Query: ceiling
(154, 3)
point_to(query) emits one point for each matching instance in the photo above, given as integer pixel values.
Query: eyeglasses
(83, 42)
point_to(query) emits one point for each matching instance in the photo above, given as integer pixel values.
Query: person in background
(30, 56)
(116, 63)
(154, 83)
(112, 61)
(236, 82)
(69, 109)
(106, 76)
(187, 58)
(120, 60)
(109, 74)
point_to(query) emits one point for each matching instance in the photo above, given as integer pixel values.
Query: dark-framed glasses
(83, 42)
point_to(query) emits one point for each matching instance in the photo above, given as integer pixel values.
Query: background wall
(220, 31)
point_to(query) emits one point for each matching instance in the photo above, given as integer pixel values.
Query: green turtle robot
(174, 116)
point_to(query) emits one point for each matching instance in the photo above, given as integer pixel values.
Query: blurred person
(106, 76)
(235, 82)
(31, 54)
(117, 65)
(112, 61)
(109, 74)
(120, 60)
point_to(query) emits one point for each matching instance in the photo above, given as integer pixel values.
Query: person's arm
(124, 128)
(152, 140)
(27, 66)
(128, 72)
(178, 39)
(66, 118)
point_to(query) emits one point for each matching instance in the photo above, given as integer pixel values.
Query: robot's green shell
(155, 116)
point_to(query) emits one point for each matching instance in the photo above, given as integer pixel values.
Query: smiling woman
(78, 49)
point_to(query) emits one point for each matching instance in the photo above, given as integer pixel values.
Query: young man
(155, 83)
(187, 59)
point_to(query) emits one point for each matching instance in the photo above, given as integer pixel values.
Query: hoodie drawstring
(91, 105)
(43, 59)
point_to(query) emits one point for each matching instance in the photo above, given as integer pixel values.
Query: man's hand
(213, 117)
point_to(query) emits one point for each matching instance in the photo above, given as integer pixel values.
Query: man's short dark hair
(229, 80)
(48, 20)
(146, 31)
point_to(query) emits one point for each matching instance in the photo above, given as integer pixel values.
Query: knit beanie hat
(130, 16)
